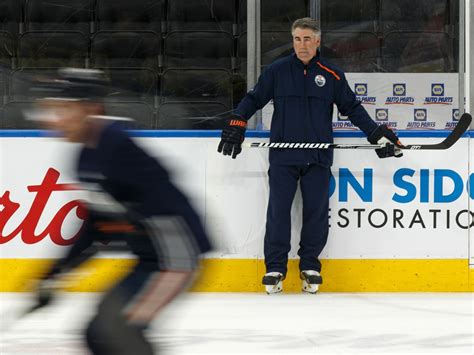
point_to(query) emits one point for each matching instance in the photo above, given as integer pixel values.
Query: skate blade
(310, 288)
(274, 289)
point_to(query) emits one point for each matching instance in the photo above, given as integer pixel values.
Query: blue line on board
(15, 133)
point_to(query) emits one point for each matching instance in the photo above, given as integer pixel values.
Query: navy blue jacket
(128, 185)
(303, 109)
(136, 180)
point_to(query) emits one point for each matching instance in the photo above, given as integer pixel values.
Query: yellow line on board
(244, 275)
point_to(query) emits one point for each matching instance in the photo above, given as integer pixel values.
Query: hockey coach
(304, 88)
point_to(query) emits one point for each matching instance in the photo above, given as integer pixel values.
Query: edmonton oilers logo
(320, 80)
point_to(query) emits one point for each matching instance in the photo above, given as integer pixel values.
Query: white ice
(242, 323)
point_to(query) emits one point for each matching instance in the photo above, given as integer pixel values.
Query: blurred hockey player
(132, 200)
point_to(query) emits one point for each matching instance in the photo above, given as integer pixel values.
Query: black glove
(384, 135)
(232, 137)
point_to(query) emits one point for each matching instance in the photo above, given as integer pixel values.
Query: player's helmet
(72, 84)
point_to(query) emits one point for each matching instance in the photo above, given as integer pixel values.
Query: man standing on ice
(304, 87)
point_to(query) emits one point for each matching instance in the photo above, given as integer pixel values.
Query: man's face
(305, 44)
(70, 118)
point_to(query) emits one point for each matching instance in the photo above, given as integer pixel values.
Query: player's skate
(273, 282)
(311, 280)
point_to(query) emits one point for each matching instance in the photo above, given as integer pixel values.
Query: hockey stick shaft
(282, 145)
(453, 137)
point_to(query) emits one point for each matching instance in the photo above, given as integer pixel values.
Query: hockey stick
(458, 131)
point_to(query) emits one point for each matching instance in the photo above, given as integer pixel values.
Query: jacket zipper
(306, 103)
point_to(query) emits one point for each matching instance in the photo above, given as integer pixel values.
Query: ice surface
(242, 323)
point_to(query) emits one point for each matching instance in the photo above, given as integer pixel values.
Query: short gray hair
(307, 23)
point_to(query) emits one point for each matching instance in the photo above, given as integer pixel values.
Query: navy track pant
(109, 332)
(314, 181)
(145, 290)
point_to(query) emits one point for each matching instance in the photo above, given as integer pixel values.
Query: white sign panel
(413, 207)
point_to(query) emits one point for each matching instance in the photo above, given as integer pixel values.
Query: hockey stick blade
(458, 131)
(462, 126)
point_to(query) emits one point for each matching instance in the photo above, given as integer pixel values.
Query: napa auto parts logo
(438, 96)
(382, 117)
(27, 228)
(454, 119)
(431, 191)
(420, 120)
(362, 94)
(400, 96)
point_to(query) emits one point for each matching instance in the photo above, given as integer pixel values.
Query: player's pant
(314, 182)
(126, 310)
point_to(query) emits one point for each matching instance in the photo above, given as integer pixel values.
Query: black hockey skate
(273, 282)
(311, 280)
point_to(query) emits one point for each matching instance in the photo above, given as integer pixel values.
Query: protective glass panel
(154, 53)
(401, 59)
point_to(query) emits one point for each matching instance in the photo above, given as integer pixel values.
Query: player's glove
(384, 135)
(232, 137)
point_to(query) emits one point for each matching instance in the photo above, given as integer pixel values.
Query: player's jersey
(125, 183)
(303, 100)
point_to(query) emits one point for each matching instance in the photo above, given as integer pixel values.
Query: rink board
(245, 275)
(396, 224)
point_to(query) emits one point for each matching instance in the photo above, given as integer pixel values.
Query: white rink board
(232, 197)
(471, 205)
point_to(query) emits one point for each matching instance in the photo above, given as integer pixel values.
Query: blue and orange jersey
(303, 99)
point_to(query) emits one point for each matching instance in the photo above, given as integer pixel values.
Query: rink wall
(396, 224)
